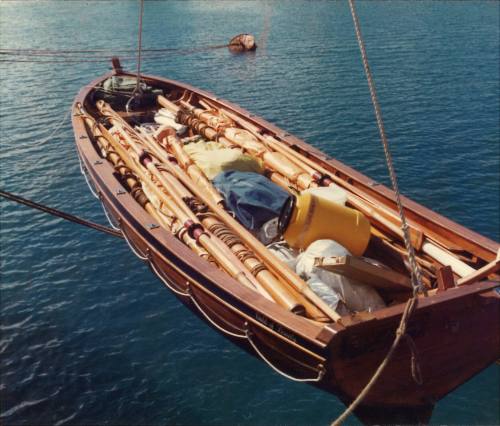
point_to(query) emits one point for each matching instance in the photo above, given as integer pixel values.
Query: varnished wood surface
(456, 331)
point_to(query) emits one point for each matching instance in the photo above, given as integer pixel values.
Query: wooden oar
(276, 265)
(488, 269)
(273, 160)
(224, 258)
(138, 191)
(268, 281)
(355, 197)
(187, 164)
(180, 209)
(280, 293)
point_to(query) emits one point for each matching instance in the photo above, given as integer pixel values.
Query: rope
(134, 250)
(41, 142)
(84, 173)
(137, 90)
(416, 278)
(104, 52)
(139, 50)
(59, 213)
(401, 331)
(211, 321)
(167, 283)
(318, 378)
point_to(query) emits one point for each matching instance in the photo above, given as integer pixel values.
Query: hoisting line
(137, 90)
(139, 50)
(61, 214)
(416, 278)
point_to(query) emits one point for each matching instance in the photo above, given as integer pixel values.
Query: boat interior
(157, 123)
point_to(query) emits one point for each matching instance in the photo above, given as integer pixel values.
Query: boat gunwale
(165, 243)
(413, 209)
(292, 322)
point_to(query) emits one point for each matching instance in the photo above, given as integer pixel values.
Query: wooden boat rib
(455, 329)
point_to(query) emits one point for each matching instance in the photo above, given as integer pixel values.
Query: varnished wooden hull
(456, 332)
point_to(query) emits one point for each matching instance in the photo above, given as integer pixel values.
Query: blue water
(88, 335)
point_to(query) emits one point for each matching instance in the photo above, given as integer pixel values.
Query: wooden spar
(371, 211)
(275, 161)
(138, 191)
(447, 259)
(488, 269)
(280, 292)
(187, 164)
(269, 281)
(224, 258)
(276, 265)
(272, 160)
(355, 197)
(132, 182)
(181, 211)
(385, 240)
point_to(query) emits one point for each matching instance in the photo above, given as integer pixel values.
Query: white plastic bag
(284, 253)
(356, 296)
(168, 118)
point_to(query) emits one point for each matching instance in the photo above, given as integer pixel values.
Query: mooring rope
(62, 56)
(59, 213)
(415, 270)
(104, 52)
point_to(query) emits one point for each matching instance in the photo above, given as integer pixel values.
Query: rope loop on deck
(318, 378)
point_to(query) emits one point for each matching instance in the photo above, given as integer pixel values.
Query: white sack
(284, 253)
(356, 296)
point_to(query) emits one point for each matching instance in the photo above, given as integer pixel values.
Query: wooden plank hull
(456, 332)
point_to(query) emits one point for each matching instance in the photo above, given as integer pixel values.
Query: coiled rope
(416, 279)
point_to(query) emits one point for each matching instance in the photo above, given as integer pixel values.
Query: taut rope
(416, 278)
(139, 47)
(59, 213)
(137, 90)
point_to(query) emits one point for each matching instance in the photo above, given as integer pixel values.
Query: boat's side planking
(444, 331)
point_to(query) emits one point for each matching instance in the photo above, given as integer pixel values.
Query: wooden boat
(455, 328)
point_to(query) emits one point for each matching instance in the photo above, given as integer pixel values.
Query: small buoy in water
(242, 43)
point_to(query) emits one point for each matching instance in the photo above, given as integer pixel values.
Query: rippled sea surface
(88, 335)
